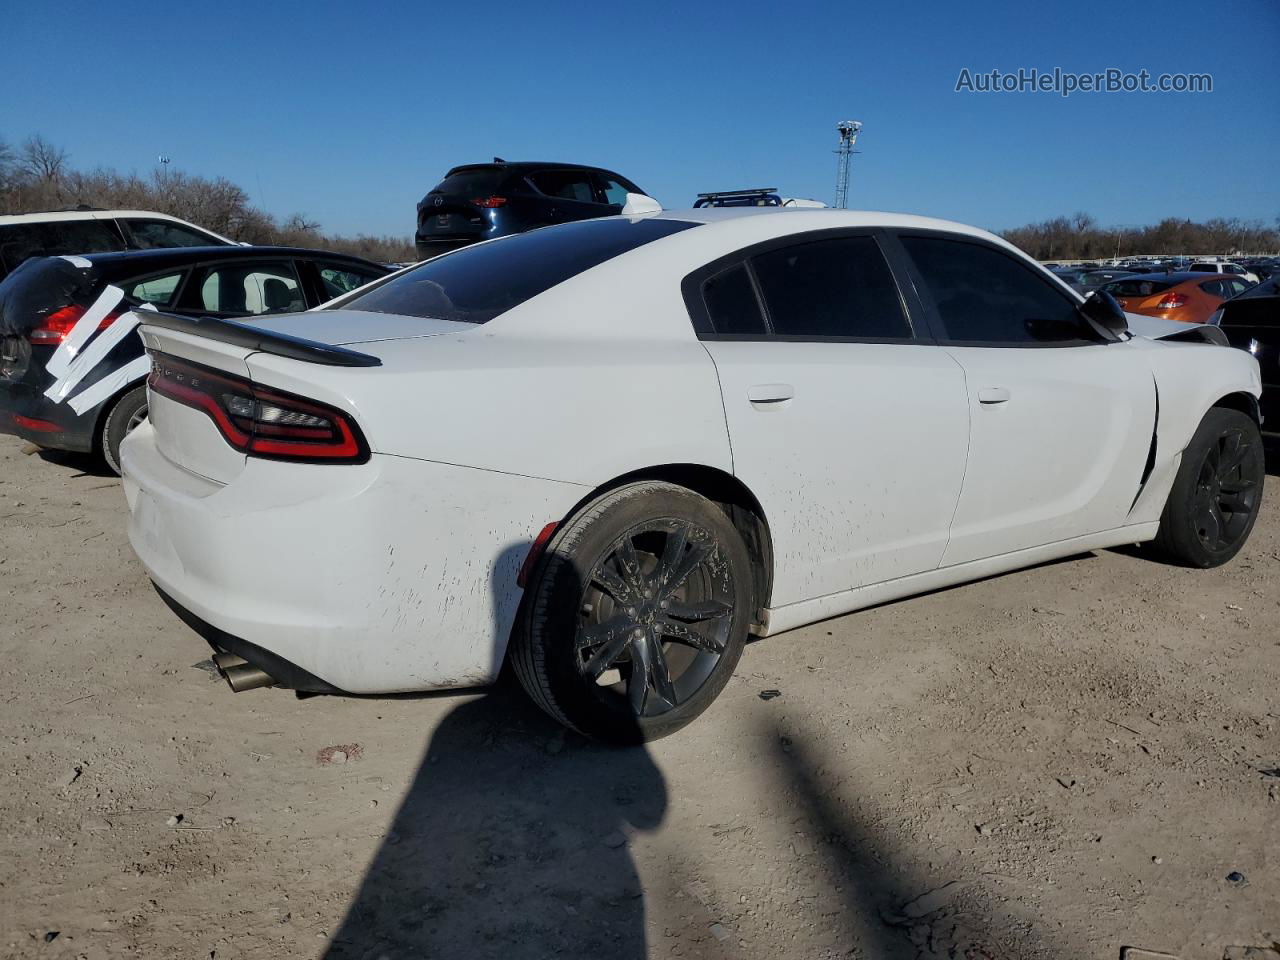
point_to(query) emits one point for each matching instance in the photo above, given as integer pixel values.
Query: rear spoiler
(253, 338)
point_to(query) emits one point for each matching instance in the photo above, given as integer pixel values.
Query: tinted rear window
(1203, 268)
(471, 183)
(1138, 287)
(54, 238)
(478, 283)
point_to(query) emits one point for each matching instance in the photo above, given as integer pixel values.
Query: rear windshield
(471, 183)
(476, 284)
(1203, 268)
(1138, 287)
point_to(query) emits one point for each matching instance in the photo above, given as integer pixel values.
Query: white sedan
(611, 450)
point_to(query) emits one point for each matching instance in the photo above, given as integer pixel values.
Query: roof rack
(762, 196)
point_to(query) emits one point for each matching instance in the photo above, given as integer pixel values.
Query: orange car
(1186, 297)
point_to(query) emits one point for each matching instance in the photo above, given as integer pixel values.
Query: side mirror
(1102, 310)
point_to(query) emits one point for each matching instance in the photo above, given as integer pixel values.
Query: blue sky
(350, 112)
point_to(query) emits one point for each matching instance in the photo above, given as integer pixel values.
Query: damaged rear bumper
(390, 576)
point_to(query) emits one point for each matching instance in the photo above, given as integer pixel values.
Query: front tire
(637, 614)
(127, 412)
(1217, 493)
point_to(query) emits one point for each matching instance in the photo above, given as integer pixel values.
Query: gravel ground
(1060, 762)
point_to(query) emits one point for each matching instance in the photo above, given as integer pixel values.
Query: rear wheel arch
(104, 415)
(728, 493)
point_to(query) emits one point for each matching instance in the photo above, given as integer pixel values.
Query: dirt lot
(1061, 762)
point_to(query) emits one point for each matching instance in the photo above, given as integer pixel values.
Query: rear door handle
(993, 395)
(770, 393)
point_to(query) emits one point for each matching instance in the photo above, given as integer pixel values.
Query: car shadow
(512, 840)
(1271, 446)
(85, 464)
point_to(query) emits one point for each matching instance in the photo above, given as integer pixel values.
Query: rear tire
(636, 614)
(129, 411)
(1217, 493)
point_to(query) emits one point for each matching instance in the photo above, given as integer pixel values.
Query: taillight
(257, 420)
(1171, 301)
(488, 202)
(55, 328)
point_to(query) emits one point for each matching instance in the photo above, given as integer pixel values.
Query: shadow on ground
(83, 464)
(509, 845)
(890, 910)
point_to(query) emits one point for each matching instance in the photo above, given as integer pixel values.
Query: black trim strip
(263, 341)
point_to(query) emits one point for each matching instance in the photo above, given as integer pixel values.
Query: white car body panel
(399, 573)
(1058, 442)
(881, 431)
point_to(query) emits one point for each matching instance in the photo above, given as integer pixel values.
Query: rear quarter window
(476, 284)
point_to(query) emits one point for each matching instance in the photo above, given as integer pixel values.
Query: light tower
(848, 130)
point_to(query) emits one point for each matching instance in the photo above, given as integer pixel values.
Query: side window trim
(930, 308)
(704, 329)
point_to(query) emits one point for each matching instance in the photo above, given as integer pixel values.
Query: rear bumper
(25, 412)
(393, 575)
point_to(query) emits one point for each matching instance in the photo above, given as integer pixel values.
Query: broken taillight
(55, 327)
(257, 420)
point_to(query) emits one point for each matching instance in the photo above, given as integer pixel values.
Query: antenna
(848, 130)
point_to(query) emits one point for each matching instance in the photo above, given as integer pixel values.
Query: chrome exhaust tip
(245, 676)
(225, 661)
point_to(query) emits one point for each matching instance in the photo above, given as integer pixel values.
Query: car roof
(1176, 276)
(141, 261)
(89, 213)
(781, 221)
(517, 165)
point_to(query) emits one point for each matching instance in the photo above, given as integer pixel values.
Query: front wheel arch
(1246, 403)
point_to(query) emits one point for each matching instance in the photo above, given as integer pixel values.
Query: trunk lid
(309, 345)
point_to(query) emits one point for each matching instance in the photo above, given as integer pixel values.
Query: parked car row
(622, 583)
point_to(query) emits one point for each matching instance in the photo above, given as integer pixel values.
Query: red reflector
(55, 328)
(32, 423)
(489, 202)
(256, 420)
(535, 553)
(1172, 301)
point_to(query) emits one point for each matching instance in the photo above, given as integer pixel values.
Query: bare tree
(41, 159)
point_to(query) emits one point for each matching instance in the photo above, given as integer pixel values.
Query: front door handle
(993, 395)
(770, 393)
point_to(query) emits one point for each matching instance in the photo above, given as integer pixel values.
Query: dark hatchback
(480, 201)
(1251, 322)
(87, 397)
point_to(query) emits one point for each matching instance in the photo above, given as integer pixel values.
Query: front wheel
(637, 615)
(127, 412)
(1217, 493)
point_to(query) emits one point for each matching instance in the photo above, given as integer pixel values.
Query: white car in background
(610, 450)
(91, 230)
(1223, 266)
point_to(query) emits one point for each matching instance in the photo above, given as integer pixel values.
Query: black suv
(480, 201)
